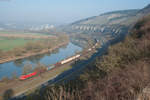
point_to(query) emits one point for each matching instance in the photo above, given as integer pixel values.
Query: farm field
(13, 39)
(21, 32)
(7, 44)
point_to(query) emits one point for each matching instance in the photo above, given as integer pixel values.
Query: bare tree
(27, 68)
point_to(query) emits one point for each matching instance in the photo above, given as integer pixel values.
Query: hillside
(145, 10)
(122, 74)
(110, 18)
(123, 17)
(111, 24)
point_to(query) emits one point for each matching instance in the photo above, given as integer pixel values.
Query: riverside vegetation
(121, 74)
(25, 47)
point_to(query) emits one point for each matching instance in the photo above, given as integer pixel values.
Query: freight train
(30, 75)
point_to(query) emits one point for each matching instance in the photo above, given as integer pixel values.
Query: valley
(102, 57)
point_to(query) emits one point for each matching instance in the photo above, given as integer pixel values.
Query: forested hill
(122, 17)
(109, 18)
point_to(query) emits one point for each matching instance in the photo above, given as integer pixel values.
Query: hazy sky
(61, 11)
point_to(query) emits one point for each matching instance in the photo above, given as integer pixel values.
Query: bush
(8, 94)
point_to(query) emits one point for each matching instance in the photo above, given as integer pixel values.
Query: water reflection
(8, 69)
(19, 63)
(35, 59)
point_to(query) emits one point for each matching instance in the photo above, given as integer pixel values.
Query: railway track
(58, 78)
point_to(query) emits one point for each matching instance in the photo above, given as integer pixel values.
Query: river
(16, 67)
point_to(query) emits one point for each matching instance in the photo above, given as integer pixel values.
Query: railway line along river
(9, 69)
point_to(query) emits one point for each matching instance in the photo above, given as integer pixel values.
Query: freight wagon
(69, 59)
(57, 64)
(89, 49)
(50, 67)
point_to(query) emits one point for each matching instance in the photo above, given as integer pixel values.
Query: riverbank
(20, 87)
(28, 86)
(29, 54)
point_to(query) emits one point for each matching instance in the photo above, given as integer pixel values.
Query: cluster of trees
(8, 94)
(121, 74)
(28, 68)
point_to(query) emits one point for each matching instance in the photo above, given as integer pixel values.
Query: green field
(21, 32)
(8, 43)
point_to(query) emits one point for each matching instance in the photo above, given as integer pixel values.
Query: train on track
(35, 73)
(23, 77)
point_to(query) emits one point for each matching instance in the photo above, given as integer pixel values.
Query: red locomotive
(23, 77)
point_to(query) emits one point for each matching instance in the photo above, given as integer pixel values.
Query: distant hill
(110, 18)
(112, 23)
(145, 10)
(109, 24)
(123, 17)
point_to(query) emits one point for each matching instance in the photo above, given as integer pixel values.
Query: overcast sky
(61, 11)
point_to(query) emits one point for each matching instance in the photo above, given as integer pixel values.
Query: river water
(16, 67)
